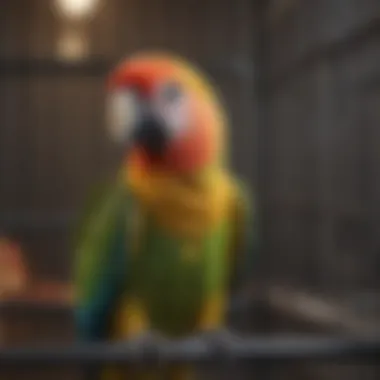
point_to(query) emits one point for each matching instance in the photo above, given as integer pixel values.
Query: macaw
(158, 248)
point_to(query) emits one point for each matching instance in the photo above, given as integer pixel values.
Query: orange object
(13, 271)
(51, 291)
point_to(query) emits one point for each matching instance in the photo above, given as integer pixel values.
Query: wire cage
(281, 66)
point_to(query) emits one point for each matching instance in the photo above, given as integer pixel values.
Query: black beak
(151, 135)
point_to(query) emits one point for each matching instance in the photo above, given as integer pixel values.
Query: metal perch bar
(197, 350)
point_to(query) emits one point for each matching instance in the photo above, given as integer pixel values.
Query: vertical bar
(261, 370)
(261, 88)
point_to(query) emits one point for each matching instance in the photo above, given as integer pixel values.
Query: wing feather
(101, 262)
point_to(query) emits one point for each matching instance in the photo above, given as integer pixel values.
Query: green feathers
(101, 266)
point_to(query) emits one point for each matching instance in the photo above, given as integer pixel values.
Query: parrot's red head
(166, 112)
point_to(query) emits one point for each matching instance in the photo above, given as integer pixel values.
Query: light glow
(76, 9)
(72, 46)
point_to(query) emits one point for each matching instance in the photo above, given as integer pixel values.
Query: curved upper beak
(150, 134)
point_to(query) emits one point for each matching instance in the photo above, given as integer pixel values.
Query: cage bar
(198, 349)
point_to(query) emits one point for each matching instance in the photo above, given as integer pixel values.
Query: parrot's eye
(170, 92)
(171, 104)
(122, 113)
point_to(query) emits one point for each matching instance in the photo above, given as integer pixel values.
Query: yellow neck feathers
(189, 206)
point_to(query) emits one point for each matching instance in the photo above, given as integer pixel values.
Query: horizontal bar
(239, 304)
(339, 44)
(37, 220)
(100, 66)
(196, 349)
(318, 311)
(94, 66)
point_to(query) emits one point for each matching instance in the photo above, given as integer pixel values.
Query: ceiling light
(76, 9)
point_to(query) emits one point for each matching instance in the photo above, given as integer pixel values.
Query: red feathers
(198, 145)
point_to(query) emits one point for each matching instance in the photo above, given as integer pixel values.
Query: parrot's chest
(172, 276)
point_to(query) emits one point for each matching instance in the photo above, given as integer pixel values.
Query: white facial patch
(122, 114)
(171, 104)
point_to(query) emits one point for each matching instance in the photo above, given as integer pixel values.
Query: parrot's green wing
(244, 249)
(101, 261)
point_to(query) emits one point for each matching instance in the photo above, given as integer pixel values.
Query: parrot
(158, 247)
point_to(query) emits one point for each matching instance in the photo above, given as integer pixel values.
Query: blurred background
(301, 82)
